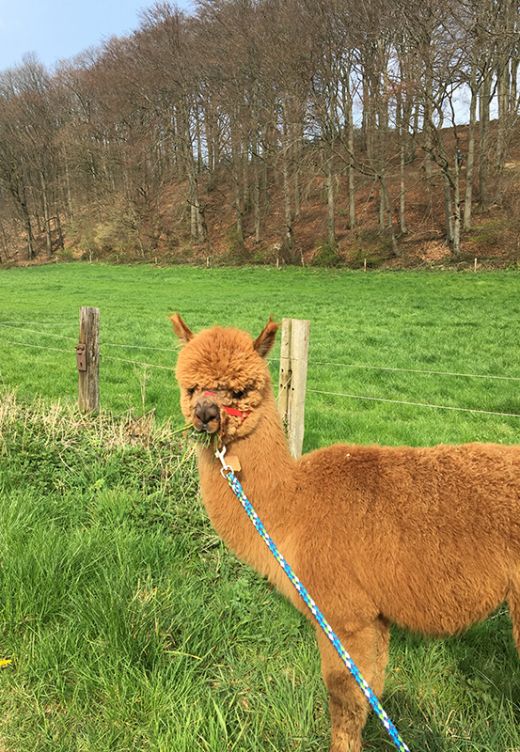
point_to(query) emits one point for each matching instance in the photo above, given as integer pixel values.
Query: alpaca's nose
(207, 412)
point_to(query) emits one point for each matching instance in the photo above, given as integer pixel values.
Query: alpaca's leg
(513, 601)
(382, 644)
(348, 708)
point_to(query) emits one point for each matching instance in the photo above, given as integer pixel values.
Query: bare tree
(230, 124)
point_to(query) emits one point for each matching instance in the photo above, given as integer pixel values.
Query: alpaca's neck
(264, 457)
(267, 476)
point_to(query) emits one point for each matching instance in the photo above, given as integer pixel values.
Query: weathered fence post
(87, 358)
(292, 381)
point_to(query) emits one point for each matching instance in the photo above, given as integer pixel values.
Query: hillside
(274, 131)
(161, 236)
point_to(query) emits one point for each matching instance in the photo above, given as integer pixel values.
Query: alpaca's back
(437, 525)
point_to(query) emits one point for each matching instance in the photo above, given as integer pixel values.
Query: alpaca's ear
(265, 339)
(180, 328)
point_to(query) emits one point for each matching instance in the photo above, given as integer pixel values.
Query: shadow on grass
(488, 662)
(417, 730)
(484, 696)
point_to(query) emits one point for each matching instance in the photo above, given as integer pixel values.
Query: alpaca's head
(223, 377)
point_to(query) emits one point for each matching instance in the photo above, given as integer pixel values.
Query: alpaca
(426, 538)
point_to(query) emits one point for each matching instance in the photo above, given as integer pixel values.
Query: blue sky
(56, 29)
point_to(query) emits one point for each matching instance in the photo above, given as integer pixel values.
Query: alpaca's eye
(191, 391)
(239, 394)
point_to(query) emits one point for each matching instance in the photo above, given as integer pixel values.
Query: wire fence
(423, 371)
(106, 346)
(34, 344)
(140, 363)
(414, 404)
(44, 333)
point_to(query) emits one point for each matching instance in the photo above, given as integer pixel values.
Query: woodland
(272, 131)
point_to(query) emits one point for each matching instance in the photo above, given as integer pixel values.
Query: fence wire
(39, 332)
(415, 404)
(40, 347)
(334, 364)
(424, 371)
(43, 333)
(137, 362)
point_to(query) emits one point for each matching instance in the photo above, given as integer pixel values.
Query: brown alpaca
(426, 538)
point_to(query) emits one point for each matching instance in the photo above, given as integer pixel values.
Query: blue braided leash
(236, 487)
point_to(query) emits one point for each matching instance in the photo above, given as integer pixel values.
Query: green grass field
(440, 321)
(129, 624)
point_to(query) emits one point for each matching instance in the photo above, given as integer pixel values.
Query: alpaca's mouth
(210, 426)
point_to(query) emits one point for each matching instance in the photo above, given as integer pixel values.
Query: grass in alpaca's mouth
(201, 437)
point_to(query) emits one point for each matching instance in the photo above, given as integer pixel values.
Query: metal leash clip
(225, 469)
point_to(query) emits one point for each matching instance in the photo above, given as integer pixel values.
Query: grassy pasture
(130, 625)
(438, 321)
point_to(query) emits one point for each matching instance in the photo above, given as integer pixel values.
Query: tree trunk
(198, 137)
(68, 192)
(5, 246)
(27, 222)
(256, 189)
(30, 240)
(350, 175)
(60, 231)
(428, 123)
(403, 229)
(448, 210)
(485, 94)
(513, 94)
(189, 165)
(402, 131)
(456, 205)
(264, 174)
(211, 135)
(194, 232)
(413, 140)
(502, 100)
(288, 232)
(294, 128)
(349, 129)
(331, 220)
(470, 162)
(387, 213)
(237, 172)
(46, 216)
(244, 160)
(197, 223)
(381, 211)
(369, 118)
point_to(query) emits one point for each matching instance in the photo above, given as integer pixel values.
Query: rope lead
(237, 489)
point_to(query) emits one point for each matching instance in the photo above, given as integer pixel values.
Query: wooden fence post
(293, 380)
(87, 357)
